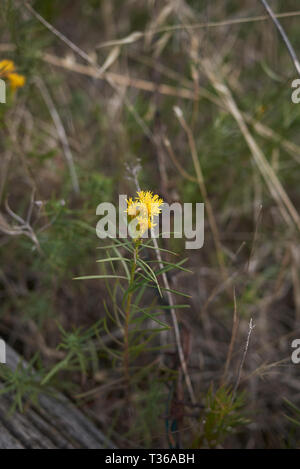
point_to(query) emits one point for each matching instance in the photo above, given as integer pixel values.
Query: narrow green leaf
(89, 277)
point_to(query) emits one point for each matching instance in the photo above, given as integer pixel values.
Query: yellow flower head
(6, 66)
(132, 209)
(144, 208)
(8, 71)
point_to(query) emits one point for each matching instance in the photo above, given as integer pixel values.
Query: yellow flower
(144, 208)
(8, 71)
(132, 209)
(7, 66)
(16, 80)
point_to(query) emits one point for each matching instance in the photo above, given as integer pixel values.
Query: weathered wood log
(55, 424)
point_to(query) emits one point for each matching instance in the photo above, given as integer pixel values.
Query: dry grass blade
(282, 199)
(110, 59)
(203, 190)
(118, 79)
(137, 35)
(295, 257)
(283, 35)
(180, 169)
(176, 327)
(60, 131)
(251, 327)
(233, 339)
(130, 39)
(97, 70)
(264, 131)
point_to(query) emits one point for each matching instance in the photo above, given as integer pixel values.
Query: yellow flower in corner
(8, 71)
(6, 66)
(144, 208)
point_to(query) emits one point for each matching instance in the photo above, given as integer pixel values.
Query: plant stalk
(127, 317)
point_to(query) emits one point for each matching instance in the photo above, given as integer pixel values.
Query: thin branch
(60, 131)
(283, 35)
(23, 227)
(180, 169)
(200, 179)
(168, 90)
(99, 70)
(61, 36)
(176, 326)
(286, 206)
(137, 35)
(251, 327)
(233, 339)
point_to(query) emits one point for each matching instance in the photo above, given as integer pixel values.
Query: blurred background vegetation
(67, 139)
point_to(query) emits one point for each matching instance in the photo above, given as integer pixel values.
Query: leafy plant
(222, 417)
(23, 385)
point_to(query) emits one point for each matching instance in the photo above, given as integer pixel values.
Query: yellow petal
(16, 80)
(132, 210)
(7, 66)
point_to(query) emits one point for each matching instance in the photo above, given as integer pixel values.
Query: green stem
(127, 316)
